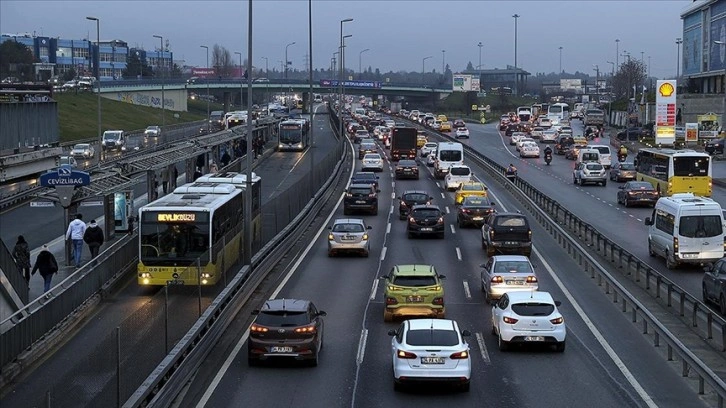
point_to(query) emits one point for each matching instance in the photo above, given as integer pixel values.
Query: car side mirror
(330, 228)
(431, 198)
(322, 313)
(558, 303)
(442, 276)
(383, 277)
(398, 198)
(483, 266)
(465, 333)
(255, 312)
(648, 221)
(621, 187)
(392, 333)
(377, 177)
(369, 227)
(493, 203)
(378, 191)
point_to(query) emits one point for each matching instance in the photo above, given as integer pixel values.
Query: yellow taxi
(421, 140)
(445, 127)
(468, 189)
(442, 118)
(580, 140)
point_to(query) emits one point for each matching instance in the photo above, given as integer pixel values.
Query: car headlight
(330, 237)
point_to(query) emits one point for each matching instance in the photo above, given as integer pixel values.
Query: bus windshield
(690, 166)
(290, 133)
(172, 243)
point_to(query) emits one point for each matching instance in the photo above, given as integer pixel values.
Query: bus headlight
(145, 275)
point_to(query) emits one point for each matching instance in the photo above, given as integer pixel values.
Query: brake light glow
(306, 329)
(404, 354)
(391, 301)
(509, 320)
(438, 301)
(531, 279)
(461, 355)
(557, 320)
(497, 279)
(258, 329)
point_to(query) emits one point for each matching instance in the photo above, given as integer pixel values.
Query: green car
(413, 290)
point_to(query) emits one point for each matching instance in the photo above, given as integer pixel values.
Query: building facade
(491, 80)
(703, 59)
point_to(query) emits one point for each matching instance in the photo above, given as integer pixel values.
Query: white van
(606, 155)
(589, 155)
(457, 174)
(447, 154)
(686, 228)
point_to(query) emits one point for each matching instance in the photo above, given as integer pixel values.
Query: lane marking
(383, 253)
(447, 210)
(362, 346)
(391, 211)
(482, 348)
(374, 289)
(458, 253)
(388, 228)
(393, 195)
(467, 291)
(453, 231)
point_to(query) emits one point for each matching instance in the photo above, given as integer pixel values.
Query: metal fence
(28, 124)
(13, 273)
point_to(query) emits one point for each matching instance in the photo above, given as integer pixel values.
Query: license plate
(432, 360)
(478, 218)
(533, 338)
(414, 299)
(175, 282)
(281, 349)
(348, 238)
(510, 243)
(360, 202)
(515, 282)
(406, 170)
(427, 229)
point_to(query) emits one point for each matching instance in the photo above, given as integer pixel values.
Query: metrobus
(675, 171)
(293, 135)
(559, 113)
(193, 235)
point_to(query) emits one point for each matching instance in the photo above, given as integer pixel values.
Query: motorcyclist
(511, 171)
(548, 154)
(622, 153)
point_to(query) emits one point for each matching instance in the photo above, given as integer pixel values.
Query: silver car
(507, 273)
(622, 171)
(83, 151)
(348, 235)
(589, 172)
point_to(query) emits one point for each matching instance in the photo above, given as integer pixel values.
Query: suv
(411, 198)
(361, 197)
(113, 140)
(413, 290)
(365, 177)
(286, 328)
(426, 219)
(589, 172)
(506, 232)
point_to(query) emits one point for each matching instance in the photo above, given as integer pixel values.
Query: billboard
(203, 72)
(570, 84)
(692, 50)
(461, 83)
(691, 132)
(350, 84)
(665, 112)
(718, 50)
(475, 86)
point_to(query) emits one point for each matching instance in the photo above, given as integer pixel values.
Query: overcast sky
(399, 34)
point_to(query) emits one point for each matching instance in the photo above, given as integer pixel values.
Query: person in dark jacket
(47, 265)
(94, 238)
(21, 253)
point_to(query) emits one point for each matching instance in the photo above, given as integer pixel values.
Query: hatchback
(622, 171)
(471, 188)
(528, 318)
(462, 132)
(426, 220)
(406, 169)
(348, 235)
(373, 162)
(507, 273)
(413, 290)
(428, 148)
(409, 199)
(474, 210)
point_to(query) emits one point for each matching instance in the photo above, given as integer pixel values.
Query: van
(458, 174)
(606, 155)
(113, 140)
(447, 154)
(686, 229)
(588, 155)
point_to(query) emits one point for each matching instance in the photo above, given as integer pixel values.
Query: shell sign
(666, 89)
(665, 113)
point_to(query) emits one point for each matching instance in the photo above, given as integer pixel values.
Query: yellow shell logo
(666, 89)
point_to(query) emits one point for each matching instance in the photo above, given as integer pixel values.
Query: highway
(608, 363)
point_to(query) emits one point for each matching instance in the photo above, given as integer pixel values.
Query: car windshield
(511, 221)
(418, 197)
(450, 155)
(426, 212)
(513, 267)
(348, 228)
(701, 226)
(432, 337)
(112, 136)
(460, 171)
(414, 281)
(640, 185)
(407, 163)
(360, 191)
(533, 309)
(627, 166)
(362, 132)
(81, 146)
(690, 166)
(282, 318)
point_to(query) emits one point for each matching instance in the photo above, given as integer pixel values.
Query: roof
(436, 324)
(414, 270)
(536, 296)
(415, 192)
(348, 221)
(510, 258)
(293, 305)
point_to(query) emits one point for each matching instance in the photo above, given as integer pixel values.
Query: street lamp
(479, 45)
(679, 41)
(443, 62)
(423, 69)
(642, 57)
(98, 81)
(242, 81)
(360, 62)
(207, 79)
(248, 191)
(286, 61)
(613, 65)
(267, 76)
(161, 50)
(617, 53)
(516, 75)
(560, 48)
(340, 82)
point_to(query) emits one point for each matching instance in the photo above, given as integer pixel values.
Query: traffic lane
(340, 286)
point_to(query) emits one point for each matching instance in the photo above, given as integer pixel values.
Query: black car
(458, 123)
(474, 210)
(506, 233)
(407, 169)
(714, 146)
(411, 198)
(365, 148)
(563, 144)
(426, 219)
(365, 177)
(286, 328)
(637, 193)
(633, 134)
(511, 128)
(361, 197)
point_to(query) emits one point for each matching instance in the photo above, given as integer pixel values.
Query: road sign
(42, 204)
(65, 176)
(98, 203)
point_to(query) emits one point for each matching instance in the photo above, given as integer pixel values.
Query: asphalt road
(355, 366)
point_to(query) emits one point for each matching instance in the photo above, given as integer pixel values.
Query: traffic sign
(65, 176)
(98, 203)
(42, 204)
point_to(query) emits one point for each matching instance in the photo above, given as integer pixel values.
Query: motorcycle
(622, 157)
(511, 174)
(548, 158)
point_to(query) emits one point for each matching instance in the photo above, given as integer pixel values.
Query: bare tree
(222, 61)
(631, 73)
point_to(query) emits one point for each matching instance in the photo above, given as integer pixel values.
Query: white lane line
(467, 291)
(453, 231)
(391, 211)
(482, 348)
(388, 228)
(447, 210)
(393, 184)
(362, 345)
(374, 289)
(442, 195)
(458, 253)
(393, 196)
(383, 253)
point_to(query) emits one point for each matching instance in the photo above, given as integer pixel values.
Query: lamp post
(340, 82)
(360, 62)
(516, 75)
(423, 69)
(479, 45)
(161, 51)
(207, 80)
(242, 81)
(248, 191)
(560, 48)
(98, 81)
(679, 41)
(617, 53)
(443, 62)
(613, 67)
(286, 60)
(267, 83)
(310, 97)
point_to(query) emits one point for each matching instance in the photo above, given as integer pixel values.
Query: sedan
(428, 148)
(507, 273)
(528, 317)
(348, 235)
(472, 188)
(522, 141)
(407, 169)
(365, 148)
(714, 146)
(373, 162)
(411, 198)
(549, 136)
(622, 171)
(473, 211)
(426, 350)
(83, 151)
(459, 123)
(537, 133)
(462, 132)
(637, 193)
(529, 149)
(516, 137)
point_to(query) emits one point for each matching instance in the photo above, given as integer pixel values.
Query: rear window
(627, 166)
(701, 226)
(283, 318)
(460, 171)
(602, 149)
(640, 185)
(348, 228)
(432, 338)
(415, 281)
(594, 166)
(407, 163)
(513, 267)
(415, 197)
(360, 191)
(367, 146)
(364, 176)
(533, 309)
(511, 221)
(426, 212)
(476, 201)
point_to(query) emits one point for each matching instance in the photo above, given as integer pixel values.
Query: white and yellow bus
(675, 171)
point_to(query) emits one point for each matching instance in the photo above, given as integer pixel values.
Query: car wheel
(387, 316)
(442, 235)
(604, 183)
(375, 210)
(490, 252)
(346, 211)
(331, 254)
(409, 234)
(487, 298)
(366, 253)
(670, 261)
(574, 180)
(314, 361)
(465, 387)
(560, 347)
(397, 386)
(626, 202)
(252, 362)
(650, 249)
(503, 345)
(483, 245)
(459, 223)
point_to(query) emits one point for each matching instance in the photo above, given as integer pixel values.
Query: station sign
(65, 176)
(350, 84)
(42, 204)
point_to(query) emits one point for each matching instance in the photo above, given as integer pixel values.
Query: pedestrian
(175, 173)
(21, 253)
(260, 146)
(213, 167)
(225, 159)
(47, 265)
(75, 232)
(130, 222)
(255, 141)
(165, 180)
(94, 238)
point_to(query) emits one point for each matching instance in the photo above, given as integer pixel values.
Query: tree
(631, 73)
(136, 68)
(17, 60)
(175, 72)
(222, 61)
(469, 66)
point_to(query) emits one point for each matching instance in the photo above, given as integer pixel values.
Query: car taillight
(404, 354)
(465, 211)
(497, 279)
(509, 320)
(675, 244)
(531, 279)
(462, 355)
(258, 329)
(557, 320)
(438, 301)
(306, 329)
(440, 220)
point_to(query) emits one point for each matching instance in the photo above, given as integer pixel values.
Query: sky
(398, 34)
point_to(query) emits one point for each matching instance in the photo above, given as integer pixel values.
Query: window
(690, 166)
(513, 221)
(425, 213)
(430, 337)
(360, 191)
(414, 281)
(348, 228)
(460, 171)
(665, 221)
(283, 318)
(512, 267)
(702, 226)
(418, 197)
(533, 309)
(450, 155)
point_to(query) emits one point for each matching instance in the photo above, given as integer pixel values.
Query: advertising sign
(570, 84)
(707, 126)
(350, 84)
(691, 132)
(665, 112)
(461, 83)
(475, 86)
(203, 72)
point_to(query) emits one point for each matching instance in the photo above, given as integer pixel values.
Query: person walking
(21, 253)
(94, 238)
(175, 174)
(47, 265)
(165, 180)
(226, 159)
(75, 232)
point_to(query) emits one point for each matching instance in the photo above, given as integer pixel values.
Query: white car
(372, 161)
(522, 141)
(431, 158)
(529, 149)
(462, 132)
(507, 273)
(565, 129)
(537, 133)
(528, 317)
(545, 122)
(428, 148)
(152, 131)
(457, 175)
(83, 150)
(348, 235)
(426, 350)
(436, 125)
(516, 137)
(549, 136)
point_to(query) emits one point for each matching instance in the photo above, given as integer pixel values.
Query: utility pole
(560, 72)
(516, 73)
(679, 41)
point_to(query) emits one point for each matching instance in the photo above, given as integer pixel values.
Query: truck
(594, 117)
(395, 107)
(403, 143)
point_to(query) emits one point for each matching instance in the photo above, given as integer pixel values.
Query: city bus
(675, 171)
(198, 222)
(293, 135)
(559, 113)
